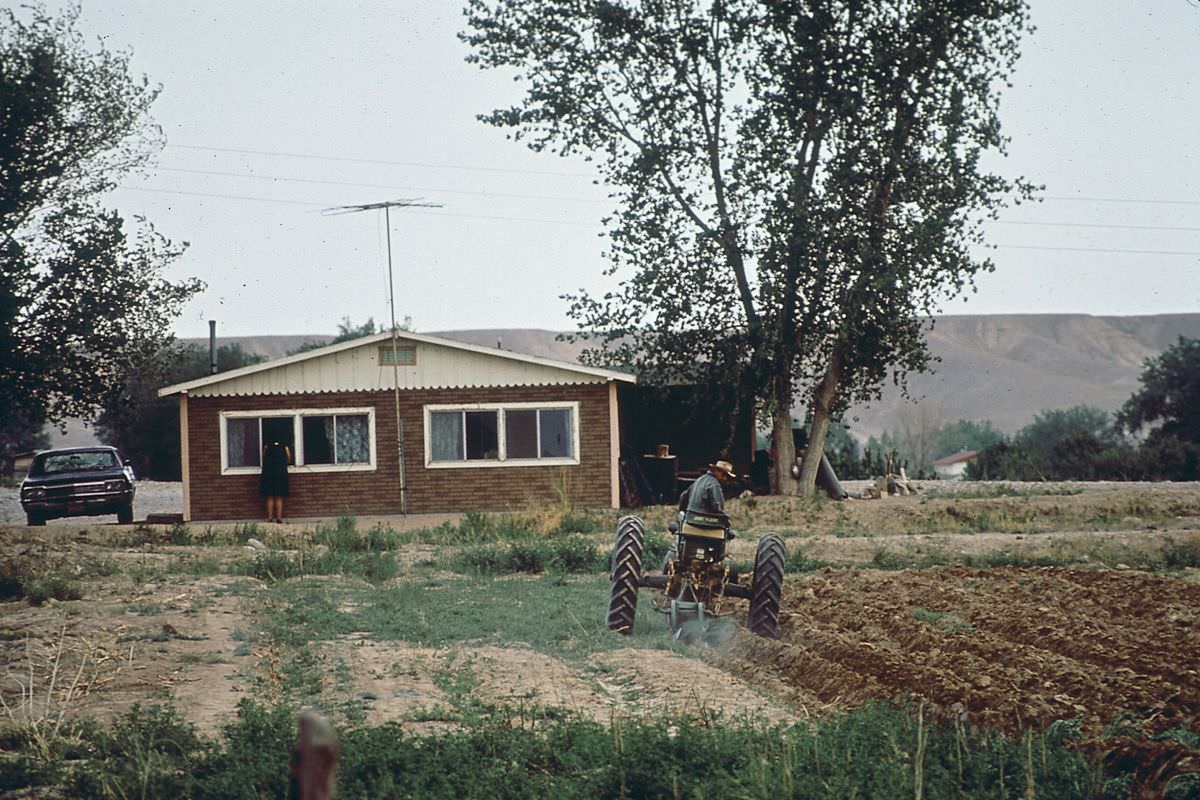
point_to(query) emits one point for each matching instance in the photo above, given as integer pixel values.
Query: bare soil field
(1004, 609)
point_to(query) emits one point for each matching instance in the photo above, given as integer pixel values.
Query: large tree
(798, 184)
(81, 287)
(144, 426)
(1168, 404)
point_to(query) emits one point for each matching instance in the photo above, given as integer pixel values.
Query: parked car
(77, 482)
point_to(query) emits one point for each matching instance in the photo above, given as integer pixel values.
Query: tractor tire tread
(767, 586)
(626, 574)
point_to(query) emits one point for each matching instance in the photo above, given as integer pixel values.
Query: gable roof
(354, 365)
(954, 458)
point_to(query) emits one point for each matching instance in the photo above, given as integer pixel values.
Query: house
(953, 466)
(14, 467)
(422, 424)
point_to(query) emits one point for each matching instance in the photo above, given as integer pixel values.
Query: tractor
(695, 580)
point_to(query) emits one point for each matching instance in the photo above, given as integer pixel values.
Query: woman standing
(273, 484)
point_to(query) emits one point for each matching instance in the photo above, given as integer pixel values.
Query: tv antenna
(387, 206)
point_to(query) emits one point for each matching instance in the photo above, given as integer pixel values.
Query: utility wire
(1122, 200)
(563, 198)
(375, 185)
(594, 224)
(1096, 225)
(326, 205)
(246, 151)
(380, 161)
(1098, 250)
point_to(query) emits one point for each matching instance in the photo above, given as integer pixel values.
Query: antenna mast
(387, 206)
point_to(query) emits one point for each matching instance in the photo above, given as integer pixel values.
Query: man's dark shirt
(705, 496)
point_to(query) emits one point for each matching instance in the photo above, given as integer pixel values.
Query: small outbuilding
(419, 424)
(953, 466)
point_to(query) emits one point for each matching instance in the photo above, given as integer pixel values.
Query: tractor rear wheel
(766, 591)
(626, 574)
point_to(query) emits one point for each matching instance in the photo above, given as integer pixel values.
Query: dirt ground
(1006, 647)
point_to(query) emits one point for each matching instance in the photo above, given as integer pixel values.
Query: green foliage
(81, 290)
(272, 565)
(798, 561)
(876, 751)
(965, 434)
(1169, 400)
(1053, 432)
(917, 444)
(558, 554)
(345, 537)
(148, 753)
(1081, 443)
(144, 426)
(346, 332)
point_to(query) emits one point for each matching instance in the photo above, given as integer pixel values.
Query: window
(320, 440)
(335, 439)
(514, 434)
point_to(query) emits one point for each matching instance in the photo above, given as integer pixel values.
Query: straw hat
(724, 466)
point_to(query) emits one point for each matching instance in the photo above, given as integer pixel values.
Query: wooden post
(314, 758)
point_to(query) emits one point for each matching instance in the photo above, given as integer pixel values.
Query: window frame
(502, 434)
(297, 415)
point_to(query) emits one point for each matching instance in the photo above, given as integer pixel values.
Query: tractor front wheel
(766, 592)
(626, 574)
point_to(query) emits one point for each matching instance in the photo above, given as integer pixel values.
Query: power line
(1122, 200)
(1096, 225)
(503, 218)
(1099, 250)
(557, 198)
(379, 161)
(326, 205)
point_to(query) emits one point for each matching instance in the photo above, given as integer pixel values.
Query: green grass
(880, 751)
(551, 613)
(1174, 556)
(570, 554)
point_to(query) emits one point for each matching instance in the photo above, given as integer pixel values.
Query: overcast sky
(275, 110)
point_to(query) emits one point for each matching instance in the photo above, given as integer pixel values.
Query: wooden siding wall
(324, 494)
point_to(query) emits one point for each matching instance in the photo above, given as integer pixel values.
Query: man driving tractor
(695, 577)
(706, 495)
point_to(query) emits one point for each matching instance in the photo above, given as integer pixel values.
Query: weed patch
(569, 554)
(273, 566)
(26, 579)
(877, 751)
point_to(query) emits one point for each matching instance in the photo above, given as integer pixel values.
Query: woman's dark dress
(274, 480)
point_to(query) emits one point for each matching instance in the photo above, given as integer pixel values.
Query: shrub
(571, 554)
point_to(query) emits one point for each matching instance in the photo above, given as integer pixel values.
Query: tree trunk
(783, 452)
(823, 400)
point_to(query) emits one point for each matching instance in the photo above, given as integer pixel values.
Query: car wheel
(34, 518)
(125, 514)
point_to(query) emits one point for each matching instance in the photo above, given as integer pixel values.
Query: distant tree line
(1154, 436)
(914, 449)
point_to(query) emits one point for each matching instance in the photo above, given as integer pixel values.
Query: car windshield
(86, 461)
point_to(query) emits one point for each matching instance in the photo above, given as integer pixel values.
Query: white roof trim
(386, 336)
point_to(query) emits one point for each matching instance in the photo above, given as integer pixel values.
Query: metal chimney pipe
(212, 346)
